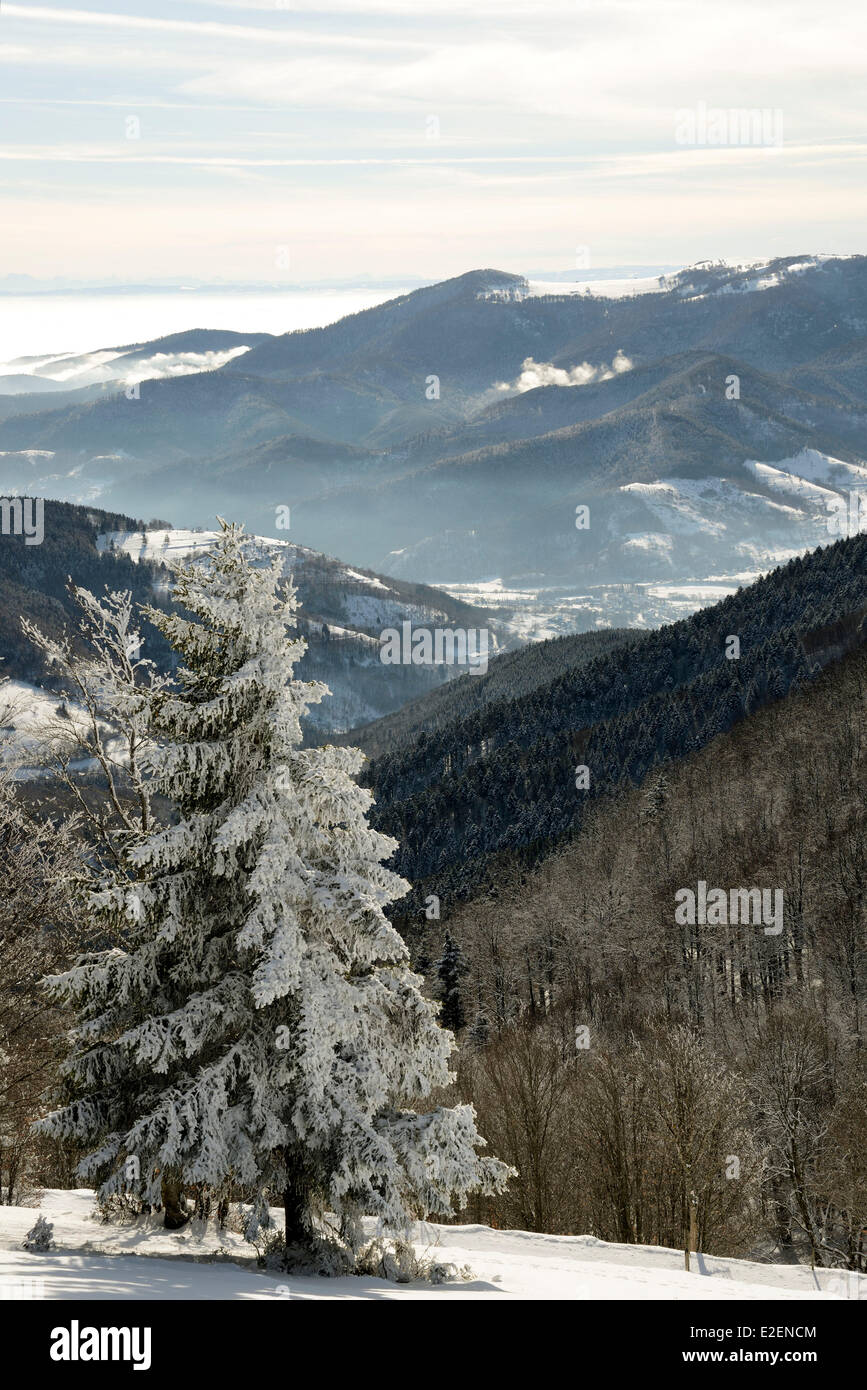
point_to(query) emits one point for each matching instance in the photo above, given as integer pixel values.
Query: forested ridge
(510, 677)
(33, 580)
(654, 1059)
(503, 779)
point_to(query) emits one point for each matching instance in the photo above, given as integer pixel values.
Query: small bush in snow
(40, 1237)
(394, 1260)
(397, 1261)
(322, 1256)
(120, 1209)
(447, 1273)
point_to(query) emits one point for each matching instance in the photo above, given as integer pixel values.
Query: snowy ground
(142, 1261)
(33, 727)
(163, 546)
(620, 287)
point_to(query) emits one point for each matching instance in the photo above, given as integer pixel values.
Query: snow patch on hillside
(367, 579)
(163, 546)
(600, 289)
(695, 504)
(697, 282)
(373, 609)
(35, 725)
(781, 481)
(650, 543)
(670, 501)
(811, 466)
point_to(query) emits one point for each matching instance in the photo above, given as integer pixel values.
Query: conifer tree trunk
(296, 1209)
(170, 1192)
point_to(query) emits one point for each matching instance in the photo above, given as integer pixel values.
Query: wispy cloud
(109, 23)
(503, 131)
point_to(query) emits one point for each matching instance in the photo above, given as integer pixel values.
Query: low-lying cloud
(165, 364)
(106, 368)
(535, 374)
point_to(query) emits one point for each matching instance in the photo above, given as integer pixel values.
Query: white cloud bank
(166, 364)
(95, 368)
(535, 374)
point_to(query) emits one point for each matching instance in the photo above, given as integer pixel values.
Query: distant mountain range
(711, 421)
(59, 284)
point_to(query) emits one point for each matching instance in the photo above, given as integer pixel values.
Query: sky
(311, 140)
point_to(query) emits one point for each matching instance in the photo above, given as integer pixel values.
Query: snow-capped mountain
(710, 421)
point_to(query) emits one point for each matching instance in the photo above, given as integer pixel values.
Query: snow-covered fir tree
(261, 1031)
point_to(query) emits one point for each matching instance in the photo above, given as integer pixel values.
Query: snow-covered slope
(706, 279)
(802, 493)
(36, 725)
(343, 612)
(97, 1261)
(367, 602)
